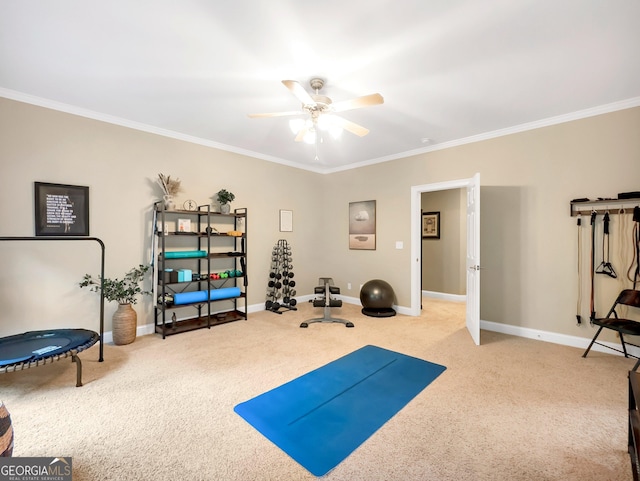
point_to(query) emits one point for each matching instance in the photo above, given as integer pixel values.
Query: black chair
(627, 297)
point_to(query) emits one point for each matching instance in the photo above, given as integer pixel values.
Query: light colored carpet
(511, 409)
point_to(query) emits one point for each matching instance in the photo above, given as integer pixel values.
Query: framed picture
(431, 225)
(286, 221)
(362, 225)
(61, 210)
(184, 225)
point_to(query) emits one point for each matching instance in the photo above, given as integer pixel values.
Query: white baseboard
(444, 296)
(554, 337)
(528, 333)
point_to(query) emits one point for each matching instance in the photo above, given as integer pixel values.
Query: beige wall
(527, 237)
(528, 247)
(38, 283)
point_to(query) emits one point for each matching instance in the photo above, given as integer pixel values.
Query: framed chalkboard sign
(61, 210)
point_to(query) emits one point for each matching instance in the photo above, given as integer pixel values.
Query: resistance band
(579, 302)
(593, 262)
(605, 266)
(635, 278)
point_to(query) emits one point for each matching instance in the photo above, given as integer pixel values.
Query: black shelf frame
(205, 317)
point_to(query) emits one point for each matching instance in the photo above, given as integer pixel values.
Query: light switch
(399, 245)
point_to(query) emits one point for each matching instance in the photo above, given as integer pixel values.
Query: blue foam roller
(184, 254)
(188, 297)
(224, 293)
(201, 296)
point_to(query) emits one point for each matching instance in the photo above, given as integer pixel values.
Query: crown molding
(62, 107)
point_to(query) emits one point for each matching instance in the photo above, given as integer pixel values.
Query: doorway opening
(443, 254)
(472, 258)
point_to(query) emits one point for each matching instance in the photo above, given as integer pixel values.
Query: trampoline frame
(20, 366)
(75, 351)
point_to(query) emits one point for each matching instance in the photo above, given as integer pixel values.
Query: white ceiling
(449, 70)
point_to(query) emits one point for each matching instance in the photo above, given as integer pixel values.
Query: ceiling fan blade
(357, 103)
(301, 133)
(276, 114)
(354, 128)
(299, 91)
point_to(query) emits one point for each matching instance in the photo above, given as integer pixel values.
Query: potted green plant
(224, 197)
(125, 292)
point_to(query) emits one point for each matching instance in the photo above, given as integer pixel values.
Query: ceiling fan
(321, 110)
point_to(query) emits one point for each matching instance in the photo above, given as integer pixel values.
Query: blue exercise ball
(377, 294)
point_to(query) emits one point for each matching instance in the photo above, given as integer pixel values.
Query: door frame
(416, 234)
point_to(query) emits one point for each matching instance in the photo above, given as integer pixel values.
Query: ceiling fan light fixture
(296, 125)
(310, 137)
(320, 110)
(327, 123)
(335, 132)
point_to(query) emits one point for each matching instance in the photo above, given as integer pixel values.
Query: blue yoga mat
(323, 416)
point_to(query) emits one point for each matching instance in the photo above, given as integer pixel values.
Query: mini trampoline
(37, 348)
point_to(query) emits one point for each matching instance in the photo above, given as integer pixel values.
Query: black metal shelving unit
(221, 246)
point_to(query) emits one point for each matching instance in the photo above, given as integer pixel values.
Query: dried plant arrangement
(169, 186)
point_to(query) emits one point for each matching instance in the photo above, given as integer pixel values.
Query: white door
(473, 258)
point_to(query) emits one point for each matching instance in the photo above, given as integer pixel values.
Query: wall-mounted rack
(613, 206)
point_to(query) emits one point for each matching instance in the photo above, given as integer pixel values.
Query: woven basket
(6, 432)
(125, 322)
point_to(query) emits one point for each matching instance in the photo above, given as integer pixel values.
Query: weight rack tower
(280, 289)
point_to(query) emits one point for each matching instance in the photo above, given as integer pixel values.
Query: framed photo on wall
(362, 225)
(431, 225)
(61, 210)
(286, 221)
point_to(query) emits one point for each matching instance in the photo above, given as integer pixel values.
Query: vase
(125, 323)
(169, 204)
(6, 433)
(225, 208)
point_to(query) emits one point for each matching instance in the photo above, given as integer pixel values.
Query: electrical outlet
(349, 285)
